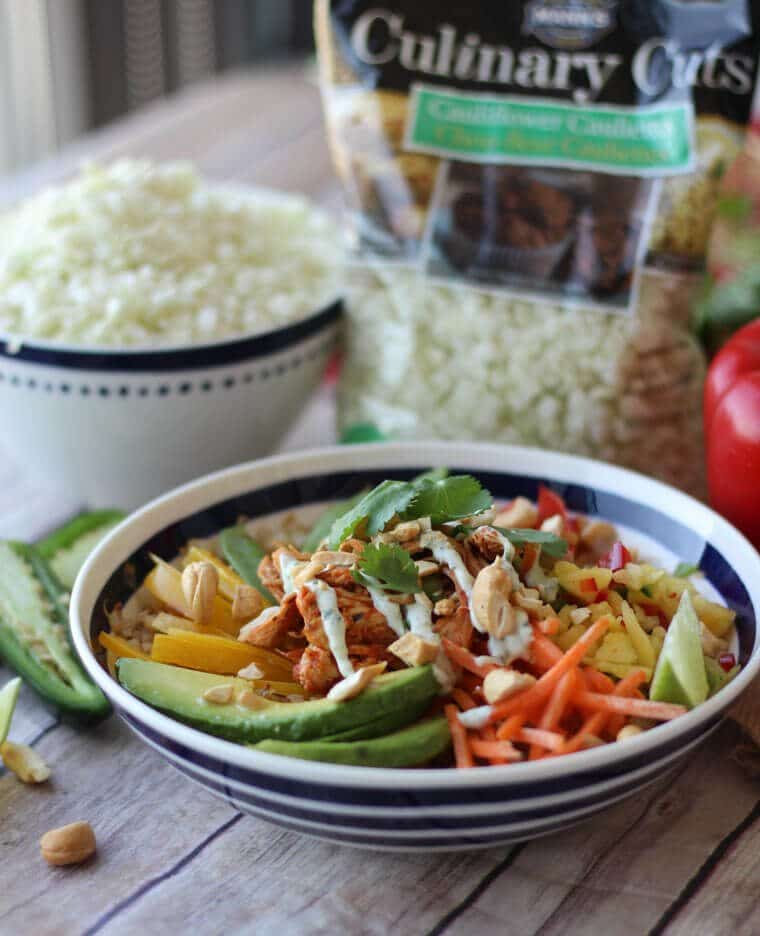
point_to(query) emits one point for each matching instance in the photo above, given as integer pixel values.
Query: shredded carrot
(556, 706)
(551, 740)
(463, 699)
(596, 681)
(510, 729)
(462, 753)
(544, 653)
(495, 750)
(541, 690)
(595, 724)
(636, 708)
(550, 626)
(463, 658)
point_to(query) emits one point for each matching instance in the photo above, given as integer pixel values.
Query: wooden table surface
(682, 857)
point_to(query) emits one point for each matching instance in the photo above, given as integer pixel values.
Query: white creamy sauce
(389, 609)
(333, 623)
(442, 550)
(288, 566)
(475, 717)
(419, 617)
(513, 645)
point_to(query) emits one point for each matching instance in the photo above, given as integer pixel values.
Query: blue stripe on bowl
(175, 359)
(399, 799)
(296, 492)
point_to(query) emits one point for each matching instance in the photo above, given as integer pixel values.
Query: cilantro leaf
(372, 513)
(387, 566)
(448, 498)
(685, 569)
(324, 522)
(435, 474)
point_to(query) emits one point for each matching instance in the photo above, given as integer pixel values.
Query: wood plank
(128, 794)
(276, 881)
(725, 890)
(620, 872)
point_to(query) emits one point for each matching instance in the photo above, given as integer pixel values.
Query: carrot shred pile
(569, 707)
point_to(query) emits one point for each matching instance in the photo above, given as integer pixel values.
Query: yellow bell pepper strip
(120, 647)
(164, 582)
(228, 578)
(212, 654)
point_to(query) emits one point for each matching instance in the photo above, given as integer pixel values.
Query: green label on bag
(654, 140)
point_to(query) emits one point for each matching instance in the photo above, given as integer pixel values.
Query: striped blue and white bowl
(424, 809)
(116, 427)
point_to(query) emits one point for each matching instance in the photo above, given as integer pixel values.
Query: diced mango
(620, 670)
(164, 582)
(616, 648)
(565, 640)
(639, 639)
(212, 654)
(583, 584)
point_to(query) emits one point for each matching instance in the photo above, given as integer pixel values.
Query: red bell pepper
(549, 505)
(732, 431)
(617, 558)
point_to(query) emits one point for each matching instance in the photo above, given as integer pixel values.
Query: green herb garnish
(389, 567)
(685, 569)
(449, 498)
(389, 499)
(433, 494)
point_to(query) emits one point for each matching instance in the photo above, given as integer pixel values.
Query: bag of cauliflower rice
(531, 189)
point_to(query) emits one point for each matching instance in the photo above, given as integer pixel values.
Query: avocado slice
(408, 747)
(179, 692)
(382, 726)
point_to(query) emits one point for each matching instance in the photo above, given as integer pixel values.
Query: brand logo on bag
(569, 24)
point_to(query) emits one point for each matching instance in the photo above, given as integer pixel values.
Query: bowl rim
(15, 347)
(197, 495)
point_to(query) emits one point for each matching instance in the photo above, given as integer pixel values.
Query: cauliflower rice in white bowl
(154, 327)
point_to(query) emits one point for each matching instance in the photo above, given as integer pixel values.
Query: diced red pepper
(550, 504)
(652, 610)
(588, 584)
(727, 661)
(617, 558)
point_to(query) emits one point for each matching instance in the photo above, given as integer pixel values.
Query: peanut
(25, 762)
(499, 684)
(357, 682)
(71, 844)
(200, 581)
(219, 695)
(490, 601)
(414, 650)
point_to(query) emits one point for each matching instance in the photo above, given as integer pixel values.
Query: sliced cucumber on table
(67, 548)
(34, 634)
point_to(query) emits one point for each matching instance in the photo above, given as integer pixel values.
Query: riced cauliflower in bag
(531, 189)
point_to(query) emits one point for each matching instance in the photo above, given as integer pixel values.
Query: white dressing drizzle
(389, 609)
(333, 623)
(288, 563)
(475, 717)
(513, 645)
(419, 617)
(443, 551)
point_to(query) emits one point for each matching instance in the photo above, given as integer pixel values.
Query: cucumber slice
(67, 548)
(8, 697)
(680, 674)
(33, 634)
